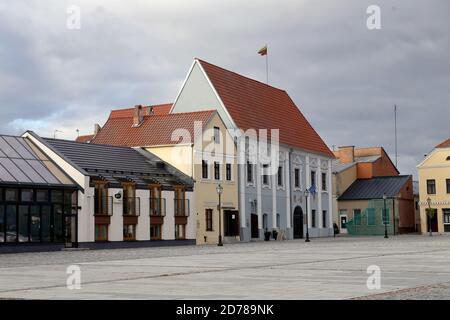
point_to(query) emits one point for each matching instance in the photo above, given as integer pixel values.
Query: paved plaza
(412, 267)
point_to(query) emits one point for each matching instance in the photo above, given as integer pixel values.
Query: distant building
(434, 187)
(362, 178)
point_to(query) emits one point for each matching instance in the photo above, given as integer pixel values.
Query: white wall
(143, 226)
(168, 230)
(115, 232)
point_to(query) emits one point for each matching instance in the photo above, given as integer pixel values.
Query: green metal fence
(371, 221)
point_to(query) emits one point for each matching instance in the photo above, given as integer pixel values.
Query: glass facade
(36, 215)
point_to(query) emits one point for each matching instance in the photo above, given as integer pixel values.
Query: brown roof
(158, 109)
(154, 130)
(444, 144)
(85, 138)
(253, 104)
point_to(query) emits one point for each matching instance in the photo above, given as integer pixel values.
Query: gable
(197, 94)
(438, 157)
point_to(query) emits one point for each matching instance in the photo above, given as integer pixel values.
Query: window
(297, 177)
(216, 170)
(101, 232)
(324, 219)
(2, 223)
(446, 216)
(228, 171)
(249, 172)
(41, 195)
(11, 195)
(57, 196)
(324, 181)
(280, 176)
(209, 219)
(155, 232)
(313, 218)
(371, 217)
(216, 134)
(313, 178)
(431, 186)
(26, 195)
(265, 178)
(130, 202)
(23, 223)
(129, 232)
(448, 185)
(180, 231)
(357, 216)
(101, 199)
(278, 220)
(204, 169)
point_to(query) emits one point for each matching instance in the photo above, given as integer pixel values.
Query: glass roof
(21, 162)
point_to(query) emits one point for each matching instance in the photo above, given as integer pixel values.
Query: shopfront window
(180, 231)
(101, 232)
(155, 232)
(129, 232)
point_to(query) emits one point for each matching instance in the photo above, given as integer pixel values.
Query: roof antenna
(78, 132)
(55, 132)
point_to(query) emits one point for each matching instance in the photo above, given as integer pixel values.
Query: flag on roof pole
(263, 52)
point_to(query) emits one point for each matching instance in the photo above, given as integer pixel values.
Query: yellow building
(196, 143)
(434, 189)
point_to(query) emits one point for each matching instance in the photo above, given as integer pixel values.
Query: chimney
(347, 154)
(138, 116)
(97, 128)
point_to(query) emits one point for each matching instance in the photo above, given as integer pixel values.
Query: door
(343, 223)
(255, 232)
(231, 223)
(298, 223)
(434, 222)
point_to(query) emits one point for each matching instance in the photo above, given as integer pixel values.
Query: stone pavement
(412, 267)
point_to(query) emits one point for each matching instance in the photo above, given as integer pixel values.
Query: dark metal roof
(119, 164)
(22, 163)
(374, 188)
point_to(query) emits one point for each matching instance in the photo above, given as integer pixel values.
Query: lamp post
(429, 216)
(307, 223)
(219, 190)
(385, 217)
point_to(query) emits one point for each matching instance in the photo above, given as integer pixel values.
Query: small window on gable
(448, 158)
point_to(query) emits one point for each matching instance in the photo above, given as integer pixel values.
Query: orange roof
(444, 144)
(253, 104)
(158, 109)
(154, 130)
(85, 138)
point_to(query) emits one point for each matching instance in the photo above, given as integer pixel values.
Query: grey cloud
(344, 77)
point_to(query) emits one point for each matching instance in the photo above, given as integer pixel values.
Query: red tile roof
(444, 144)
(253, 104)
(85, 138)
(154, 130)
(158, 109)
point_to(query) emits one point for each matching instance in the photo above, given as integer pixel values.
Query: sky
(344, 77)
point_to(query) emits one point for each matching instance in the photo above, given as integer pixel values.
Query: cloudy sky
(344, 77)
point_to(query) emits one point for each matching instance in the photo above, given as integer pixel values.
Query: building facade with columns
(271, 192)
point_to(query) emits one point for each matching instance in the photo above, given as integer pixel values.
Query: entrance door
(255, 232)
(343, 223)
(434, 222)
(298, 223)
(231, 223)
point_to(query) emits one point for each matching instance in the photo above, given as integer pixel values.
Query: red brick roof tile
(154, 130)
(253, 104)
(85, 138)
(158, 109)
(444, 144)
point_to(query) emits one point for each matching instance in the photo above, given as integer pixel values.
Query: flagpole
(267, 65)
(395, 129)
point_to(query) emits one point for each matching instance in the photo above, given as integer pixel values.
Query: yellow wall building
(434, 189)
(196, 160)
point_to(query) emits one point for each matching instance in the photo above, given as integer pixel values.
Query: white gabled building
(274, 201)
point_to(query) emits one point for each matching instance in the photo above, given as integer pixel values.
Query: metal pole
(220, 244)
(385, 221)
(267, 65)
(307, 223)
(395, 124)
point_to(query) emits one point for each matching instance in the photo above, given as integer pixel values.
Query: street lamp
(429, 216)
(385, 217)
(306, 204)
(219, 190)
